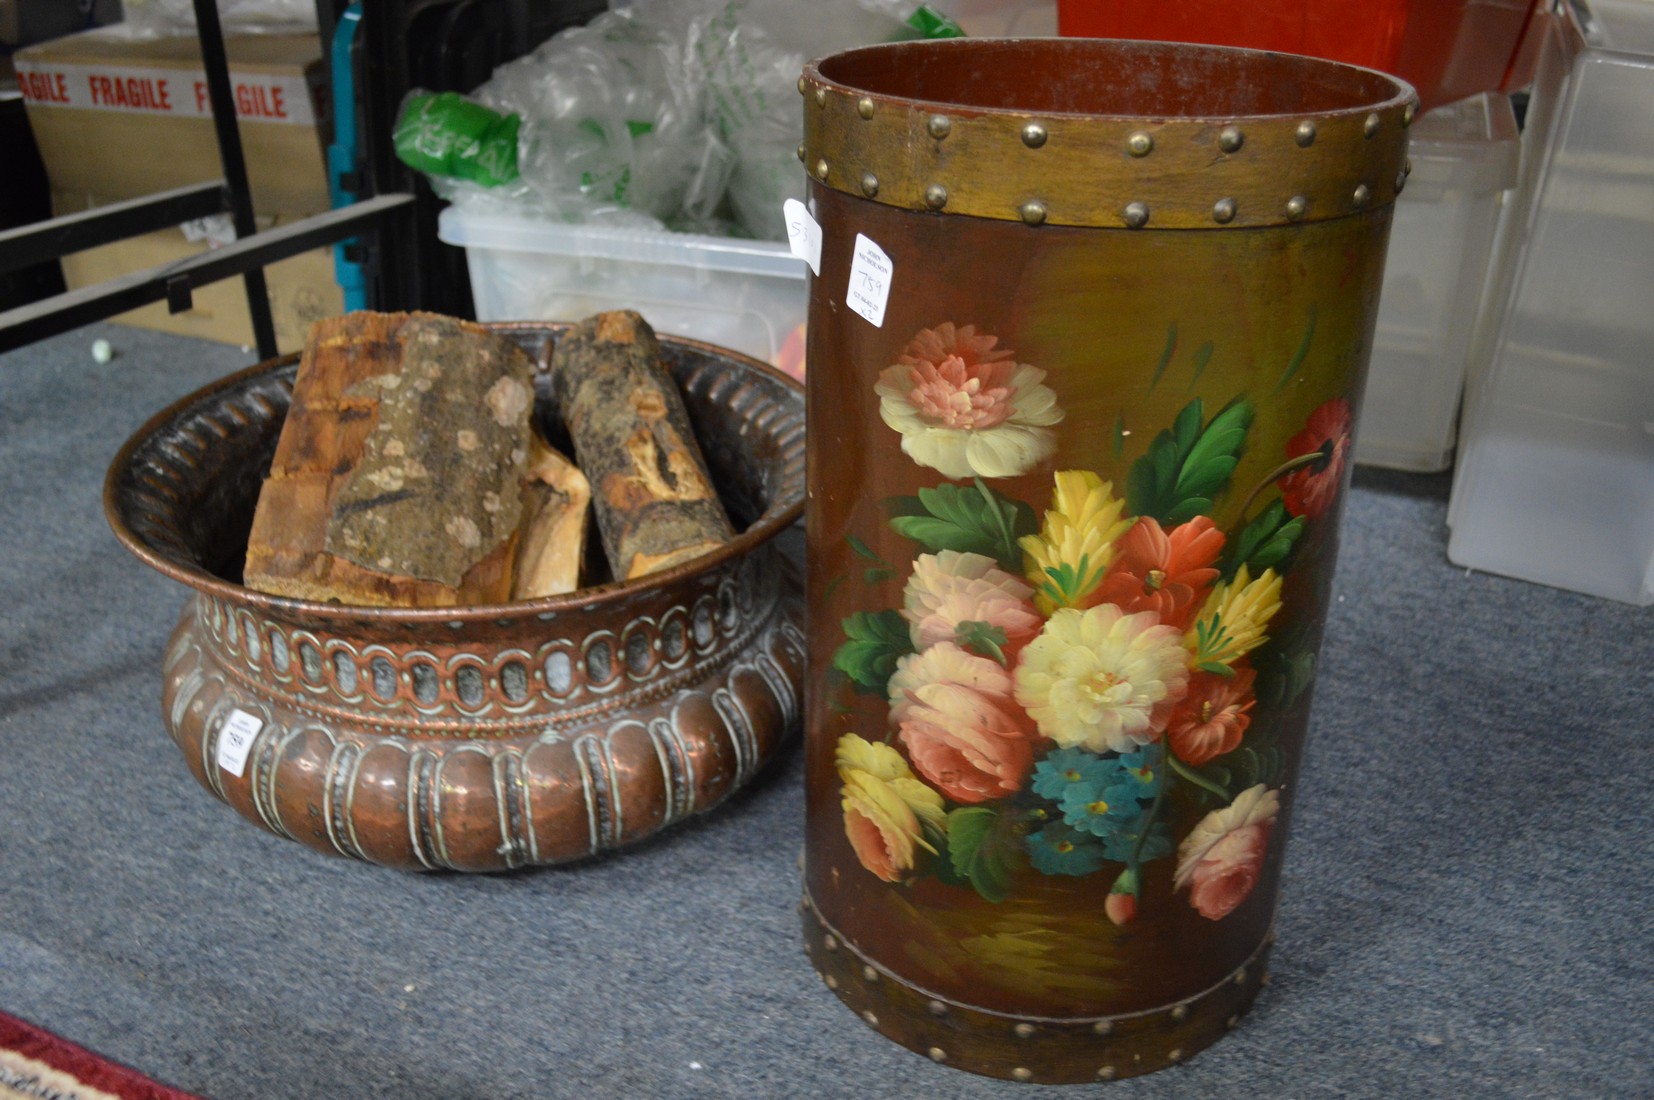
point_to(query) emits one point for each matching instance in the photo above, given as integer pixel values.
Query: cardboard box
(302, 288)
(120, 117)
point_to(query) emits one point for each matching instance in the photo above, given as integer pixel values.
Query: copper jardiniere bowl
(475, 738)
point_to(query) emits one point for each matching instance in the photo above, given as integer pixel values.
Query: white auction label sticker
(803, 233)
(235, 741)
(870, 272)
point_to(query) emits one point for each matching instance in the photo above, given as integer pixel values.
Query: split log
(653, 497)
(551, 540)
(396, 478)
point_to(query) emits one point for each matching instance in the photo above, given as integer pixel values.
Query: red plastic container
(1447, 49)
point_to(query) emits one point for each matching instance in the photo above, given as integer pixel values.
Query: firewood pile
(410, 472)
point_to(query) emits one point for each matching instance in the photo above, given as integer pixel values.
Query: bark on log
(653, 498)
(396, 481)
(551, 540)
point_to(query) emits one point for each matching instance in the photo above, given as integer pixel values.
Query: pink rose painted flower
(964, 407)
(966, 598)
(1212, 717)
(960, 725)
(1221, 859)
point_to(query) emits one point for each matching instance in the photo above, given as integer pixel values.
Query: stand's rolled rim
(138, 498)
(1103, 133)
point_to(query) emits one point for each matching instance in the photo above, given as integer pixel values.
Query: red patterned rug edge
(89, 1069)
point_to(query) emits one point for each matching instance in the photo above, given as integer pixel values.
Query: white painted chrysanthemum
(1102, 680)
(965, 408)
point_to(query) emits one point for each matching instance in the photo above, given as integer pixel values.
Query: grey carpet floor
(1465, 909)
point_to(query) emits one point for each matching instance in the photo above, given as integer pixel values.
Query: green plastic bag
(445, 134)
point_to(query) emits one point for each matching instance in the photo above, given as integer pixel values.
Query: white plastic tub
(1464, 159)
(745, 295)
(1555, 480)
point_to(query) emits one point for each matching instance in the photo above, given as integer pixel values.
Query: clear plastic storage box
(1464, 159)
(745, 295)
(1555, 479)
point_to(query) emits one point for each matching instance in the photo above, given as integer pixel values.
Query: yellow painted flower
(1065, 562)
(886, 809)
(874, 757)
(1232, 623)
(1102, 680)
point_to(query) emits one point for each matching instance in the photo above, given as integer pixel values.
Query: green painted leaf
(1202, 357)
(878, 576)
(1188, 465)
(862, 548)
(982, 849)
(877, 640)
(970, 519)
(1264, 542)
(1165, 356)
(983, 639)
(1298, 357)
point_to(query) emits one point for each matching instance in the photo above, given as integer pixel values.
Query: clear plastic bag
(675, 113)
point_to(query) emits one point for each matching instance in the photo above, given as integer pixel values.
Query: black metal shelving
(402, 45)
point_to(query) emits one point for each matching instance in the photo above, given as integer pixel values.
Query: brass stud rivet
(1181, 1012)
(801, 154)
(1232, 1022)
(1230, 139)
(821, 169)
(821, 97)
(869, 973)
(936, 196)
(1176, 1055)
(1407, 113)
(1022, 1073)
(864, 106)
(1370, 127)
(1033, 212)
(1265, 979)
(832, 982)
(1140, 144)
(1240, 976)
(803, 88)
(830, 942)
(1305, 134)
(1106, 1073)
(869, 184)
(1296, 207)
(1361, 195)
(939, 126)
(1103, 1027)
(937, 1054)
(1033, 135)
(1025, 1031)
(937, 1008)
(1135, 215)
(872, 1020)
(1223, 211)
